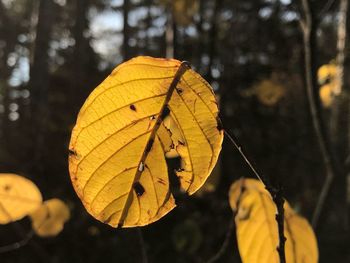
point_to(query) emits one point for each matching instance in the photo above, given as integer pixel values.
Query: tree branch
(276, 194)
(18, 244)
(308, 26)
(224, 245)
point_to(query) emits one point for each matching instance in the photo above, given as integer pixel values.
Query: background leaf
(256, 227)
(118, 151)
(49, 219)
(18, 197)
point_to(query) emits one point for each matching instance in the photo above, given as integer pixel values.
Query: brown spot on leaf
(179, 91)
(132, 107)
(7, 187)
(72, 152)
(161, 181)
(165, 112)
(138, 188)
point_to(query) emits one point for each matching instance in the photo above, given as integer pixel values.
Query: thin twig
(142, 246)
(341, 45)
(276, 194)
(229, 232)
(25, 238)
(325, 9)
(18, 244)
(224, 245)
(308, 27)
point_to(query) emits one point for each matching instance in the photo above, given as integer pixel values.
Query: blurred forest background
(53, 53)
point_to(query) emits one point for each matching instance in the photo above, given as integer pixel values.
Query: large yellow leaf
(49, 219)
(256, 227)
(18, 197)
(118, 150)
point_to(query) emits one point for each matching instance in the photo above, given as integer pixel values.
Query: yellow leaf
(326, 95)
(184, 10)
(49, 219)
(118, 150)
(327, 72)
(256, 227)
(18, 197)
(327, 77)
(268, 91)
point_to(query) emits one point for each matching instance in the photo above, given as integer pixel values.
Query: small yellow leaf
(268, 91)
(326, 73)
(326, 95)
(328, 78)
(49, 219)
(147, 111)
(256, 227)
(18, 197)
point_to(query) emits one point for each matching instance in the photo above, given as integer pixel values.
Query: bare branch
(309, 38)
(224, 245)
(18, 244)
(341, 44)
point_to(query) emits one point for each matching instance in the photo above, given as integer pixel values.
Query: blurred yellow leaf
(49, 219)
(326, 73)
(326, 95)
(183, 11)
(268, 91)
(256, 227)
(327, 77)
(118, 151)
(18, 197)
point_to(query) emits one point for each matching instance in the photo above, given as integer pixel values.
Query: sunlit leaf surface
(145, 113)
(18, 197)
(256, 227)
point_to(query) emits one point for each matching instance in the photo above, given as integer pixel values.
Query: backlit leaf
(49, 219)
(256, 227)
(146, 109)
(18, 197)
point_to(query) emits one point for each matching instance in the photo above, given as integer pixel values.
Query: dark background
(53, 53)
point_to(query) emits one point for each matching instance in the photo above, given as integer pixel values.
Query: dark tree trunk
(39, 83)
(126, 30)
(80, 54)
(213, 39)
